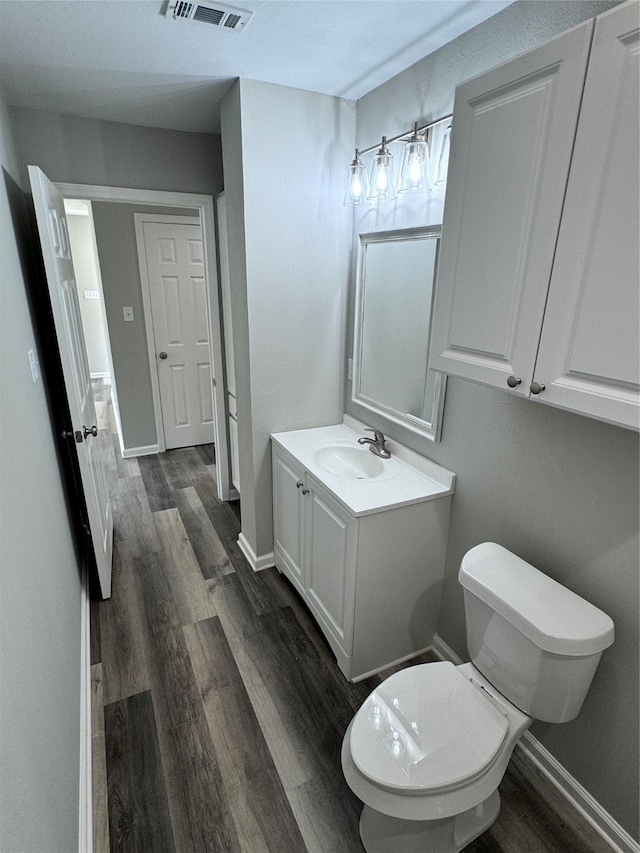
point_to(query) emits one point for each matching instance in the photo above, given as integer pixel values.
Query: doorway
(131, 345)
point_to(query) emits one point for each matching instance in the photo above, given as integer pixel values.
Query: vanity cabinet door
(288, 509)
(588, 359)
(512, 138)
(331, 543)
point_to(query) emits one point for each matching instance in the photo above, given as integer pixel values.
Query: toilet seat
(426, 729)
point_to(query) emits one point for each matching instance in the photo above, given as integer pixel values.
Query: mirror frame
(426, 429)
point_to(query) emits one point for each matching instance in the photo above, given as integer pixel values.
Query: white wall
(39, 569)
(284, 153)
(85, 264)
(558, 489)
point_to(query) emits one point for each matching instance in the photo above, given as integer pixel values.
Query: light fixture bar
(400, 136)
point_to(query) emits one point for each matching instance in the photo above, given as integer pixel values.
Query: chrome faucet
(376, 444)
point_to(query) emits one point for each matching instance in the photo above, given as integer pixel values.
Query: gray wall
(289, 237)
(70, 149)
(118, 255)
(39, 573)
(558, 489)
(85, 265)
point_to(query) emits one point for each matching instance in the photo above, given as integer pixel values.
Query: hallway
(218, 710)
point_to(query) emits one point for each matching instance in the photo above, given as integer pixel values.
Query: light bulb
(382, 184)
(415, 174)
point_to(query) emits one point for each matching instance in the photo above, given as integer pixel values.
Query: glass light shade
(382, 182)
(415, 175)
(442, 164)
(357, 188)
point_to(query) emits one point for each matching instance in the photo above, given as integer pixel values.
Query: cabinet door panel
(589, 351)
(331, 557)
(512, 137)
(287, 510)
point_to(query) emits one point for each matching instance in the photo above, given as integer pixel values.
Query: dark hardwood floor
(218, 709)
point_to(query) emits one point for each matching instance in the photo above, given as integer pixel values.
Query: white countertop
(407, 477)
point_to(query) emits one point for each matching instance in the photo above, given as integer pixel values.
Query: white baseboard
(148, 450)
(579, 797)
(85, 828)
(581, 800)
(257, 563)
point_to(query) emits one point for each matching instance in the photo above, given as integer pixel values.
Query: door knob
(162, 354)
(513, 381)
(91, 431)
(536, 387)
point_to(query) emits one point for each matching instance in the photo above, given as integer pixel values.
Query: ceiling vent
(215, 14)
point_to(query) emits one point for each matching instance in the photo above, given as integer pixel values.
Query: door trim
(204, 204)
(140, 219)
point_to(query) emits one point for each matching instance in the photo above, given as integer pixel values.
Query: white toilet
(429, 747)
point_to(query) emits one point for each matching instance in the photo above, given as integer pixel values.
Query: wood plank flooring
(218, 709)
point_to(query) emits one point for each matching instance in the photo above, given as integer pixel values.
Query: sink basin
(353, 463)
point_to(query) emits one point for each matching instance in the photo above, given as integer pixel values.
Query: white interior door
(54, 239)
(177, 281)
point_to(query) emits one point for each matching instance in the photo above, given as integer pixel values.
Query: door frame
(204, 204)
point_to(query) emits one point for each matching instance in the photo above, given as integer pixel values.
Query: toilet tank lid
(550, 615)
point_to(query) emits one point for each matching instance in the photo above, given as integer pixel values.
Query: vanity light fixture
(417, 167)
(382, 183)
(415, 174)
(357, 188)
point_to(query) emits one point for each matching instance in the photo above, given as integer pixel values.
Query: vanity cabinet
(538, 282)
(315, 546)
(371, 581)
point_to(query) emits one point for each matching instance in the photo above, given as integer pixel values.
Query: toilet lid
(426, 729)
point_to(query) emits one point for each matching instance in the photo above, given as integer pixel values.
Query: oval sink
(354, 463)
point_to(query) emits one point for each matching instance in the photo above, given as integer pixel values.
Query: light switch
(34, 364)
(91, 294)
(128, 314)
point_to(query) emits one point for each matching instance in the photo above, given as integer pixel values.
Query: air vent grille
(217, 15)
(208, 16)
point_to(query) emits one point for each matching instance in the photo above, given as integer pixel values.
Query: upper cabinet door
(588, 358)
(512, 137)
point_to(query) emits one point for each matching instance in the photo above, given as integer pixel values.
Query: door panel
(175, 267)
(512, 138)
(589, 358)
(52, 227)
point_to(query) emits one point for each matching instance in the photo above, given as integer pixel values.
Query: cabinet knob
(513, 381)
(305, 491)
(537, 387)
(299, 484)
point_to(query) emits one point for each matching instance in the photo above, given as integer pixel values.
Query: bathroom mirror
(394, 293)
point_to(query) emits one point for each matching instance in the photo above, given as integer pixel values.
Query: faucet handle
(378, 435)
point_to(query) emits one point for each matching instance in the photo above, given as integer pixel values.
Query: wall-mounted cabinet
(538, 283)
(370, 571)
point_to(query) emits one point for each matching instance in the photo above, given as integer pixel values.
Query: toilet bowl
(428, 748)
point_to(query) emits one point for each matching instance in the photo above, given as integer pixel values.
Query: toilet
(428, 748)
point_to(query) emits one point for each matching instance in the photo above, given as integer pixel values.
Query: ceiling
(125, 60)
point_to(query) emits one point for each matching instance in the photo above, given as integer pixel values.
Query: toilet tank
(536, 641)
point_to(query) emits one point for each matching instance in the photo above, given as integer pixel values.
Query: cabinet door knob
(299, 484)
(513, 381)
(537, 387)
(305, 491)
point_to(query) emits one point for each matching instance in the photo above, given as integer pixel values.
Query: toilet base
(383, 834)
